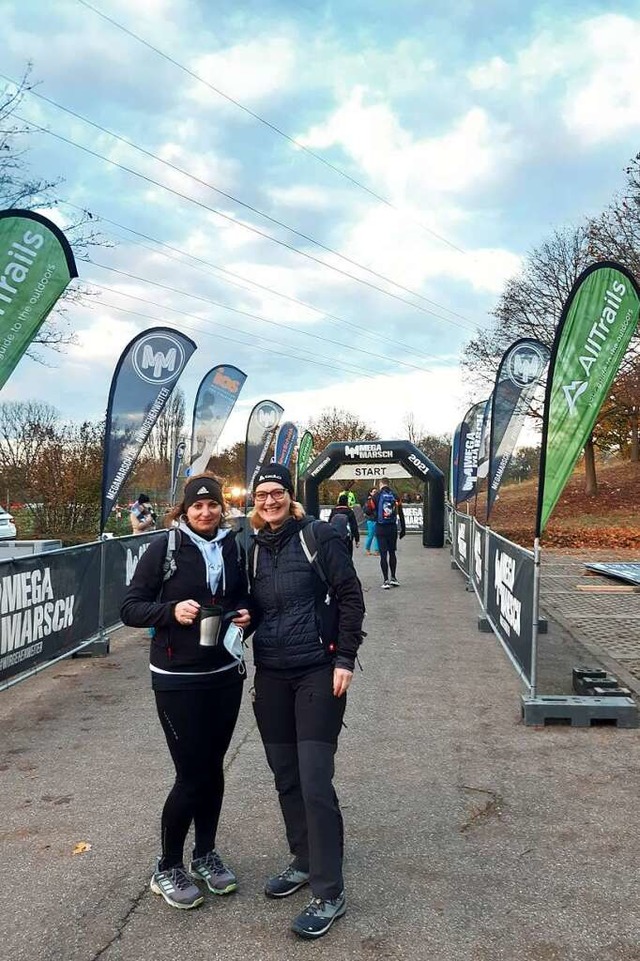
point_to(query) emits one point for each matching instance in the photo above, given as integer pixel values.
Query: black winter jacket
(149, 602)
(351, 520)
(294, 628)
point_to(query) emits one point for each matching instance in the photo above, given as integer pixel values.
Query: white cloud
(607, 104)
(249, 72)
(493, 75)
(303, 196)
(437, 399)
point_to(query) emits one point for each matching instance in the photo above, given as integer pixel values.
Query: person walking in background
(197, 684)
(344, 521)
(142, 517)
(304, 652)
(349, 493)
(388, 515)
(369, 511)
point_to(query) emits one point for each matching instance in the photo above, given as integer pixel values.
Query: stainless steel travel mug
(210, 623)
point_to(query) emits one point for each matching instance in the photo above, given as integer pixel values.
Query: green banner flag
(304, 456)
(36, 266)
(597, 323)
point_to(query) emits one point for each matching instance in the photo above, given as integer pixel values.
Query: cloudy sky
(329, 195)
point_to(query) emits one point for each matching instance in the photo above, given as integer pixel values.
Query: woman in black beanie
(304, 652)
(197, 688)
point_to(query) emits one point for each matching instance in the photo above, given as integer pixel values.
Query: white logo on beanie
(203, 490)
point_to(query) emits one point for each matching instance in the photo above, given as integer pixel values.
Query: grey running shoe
(394, 582)
(177, 888)
(386, 586)
(284, 884)
(211, 869)
(318, 916)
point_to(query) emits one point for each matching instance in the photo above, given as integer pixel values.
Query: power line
(207, 333)
(236, 200)
(237, 223)
(267, 123)
(264, 320)
(270, 290)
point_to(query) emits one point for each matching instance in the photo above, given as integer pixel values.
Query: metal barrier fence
(57, 603)
(504, 577)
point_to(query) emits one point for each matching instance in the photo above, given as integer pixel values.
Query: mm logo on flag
(525, 364)
(156, 354)
(267, 417)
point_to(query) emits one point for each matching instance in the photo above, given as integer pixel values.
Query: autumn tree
(530, 306)
(66, 473)
(25, 427)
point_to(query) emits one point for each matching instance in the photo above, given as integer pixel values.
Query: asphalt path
(469, 836)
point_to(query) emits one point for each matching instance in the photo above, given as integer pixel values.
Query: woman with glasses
(197, 685)
(304, 652)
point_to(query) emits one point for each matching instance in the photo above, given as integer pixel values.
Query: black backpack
(340, 521)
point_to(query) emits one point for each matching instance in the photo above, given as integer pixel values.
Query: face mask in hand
(234, 643)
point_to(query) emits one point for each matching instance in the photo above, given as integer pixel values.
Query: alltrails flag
(36, 266)
(519, 373)
(597, 323)
(285, 443)
(145, 375)
(468, 451)
(263, 423)
(216, 397)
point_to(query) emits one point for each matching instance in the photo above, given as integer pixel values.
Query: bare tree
(337, 424)
(167, 431)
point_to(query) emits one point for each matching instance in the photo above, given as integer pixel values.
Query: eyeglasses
(277, 494)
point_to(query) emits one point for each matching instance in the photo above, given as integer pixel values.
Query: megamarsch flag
(36, 267)
(597, 323)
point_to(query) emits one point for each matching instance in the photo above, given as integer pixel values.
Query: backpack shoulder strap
(169, 566)
(309, 543)
(253, 559)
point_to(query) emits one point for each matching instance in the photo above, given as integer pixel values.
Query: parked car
(7, 527)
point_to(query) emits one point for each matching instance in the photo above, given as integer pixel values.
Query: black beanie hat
(200, 488)
(143, 499)
(274, 472)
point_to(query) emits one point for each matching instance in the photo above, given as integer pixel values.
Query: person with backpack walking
(369, 511)
(344, 520)
(304, 652)
(388, 514)
(197, 677)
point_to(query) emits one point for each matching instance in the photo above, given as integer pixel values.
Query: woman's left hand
(244, 619)
(341, 680)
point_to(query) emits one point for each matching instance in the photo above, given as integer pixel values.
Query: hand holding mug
(185, 612)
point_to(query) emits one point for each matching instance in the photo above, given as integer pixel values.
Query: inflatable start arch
(371, 460)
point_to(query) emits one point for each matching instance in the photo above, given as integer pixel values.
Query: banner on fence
(147, 372)
(597, 323)
(510, 599)
(215, 399)
(37, 266)
(48, 606)
(477, 565)
(518, 376)
(121, 556)
(462, 542)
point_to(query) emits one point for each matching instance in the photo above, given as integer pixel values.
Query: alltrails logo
(158, 358)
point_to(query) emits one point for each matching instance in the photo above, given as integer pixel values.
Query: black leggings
(299, 720)
(387, 535)
(198, 725)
